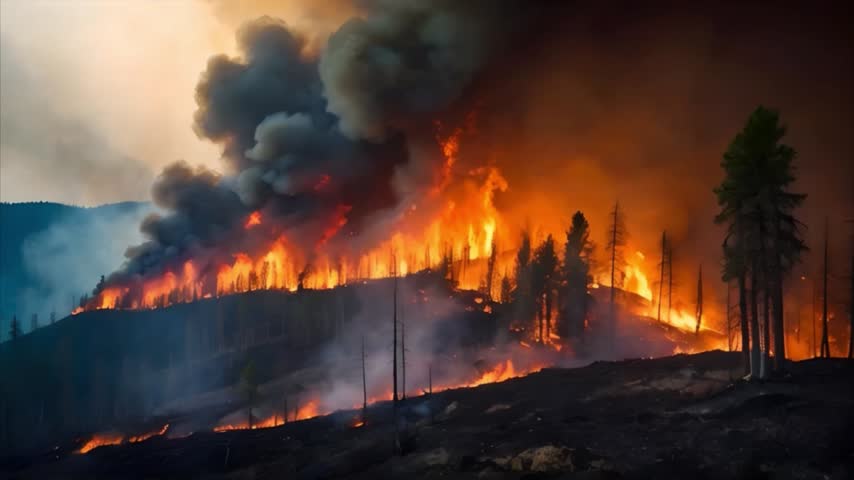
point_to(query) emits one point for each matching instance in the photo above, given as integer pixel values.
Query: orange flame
(112, 438)
(254, 219)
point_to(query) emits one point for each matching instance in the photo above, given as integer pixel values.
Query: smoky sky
(637, 103)
(43, 147)
(578, 104)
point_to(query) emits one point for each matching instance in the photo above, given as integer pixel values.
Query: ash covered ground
(685, 416)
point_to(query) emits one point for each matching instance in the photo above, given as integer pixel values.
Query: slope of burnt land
(686, 416)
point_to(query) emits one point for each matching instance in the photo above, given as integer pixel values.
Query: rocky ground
(687, 416)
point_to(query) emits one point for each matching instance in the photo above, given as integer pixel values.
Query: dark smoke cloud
(407, 58)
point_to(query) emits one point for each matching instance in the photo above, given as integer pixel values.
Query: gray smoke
(407, 59)
(306, 143)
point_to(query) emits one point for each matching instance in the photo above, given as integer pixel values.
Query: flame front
(113, 438)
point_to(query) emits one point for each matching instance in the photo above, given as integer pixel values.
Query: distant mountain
(50, 252)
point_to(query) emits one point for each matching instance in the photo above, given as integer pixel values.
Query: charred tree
(394, 398)
(506, 289)
(661, 273)
(394, 340)
(755, 349)
(364, 385)
(14, 329)
(250, 389)
(616, 242)
(851, 310)
(403, 352)
(728, 319)
(825, 344)
(669, 280)
(522, 296)
(544, 283)
(490, 270)
(699, 300)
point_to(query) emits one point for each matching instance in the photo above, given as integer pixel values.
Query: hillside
(686, 416)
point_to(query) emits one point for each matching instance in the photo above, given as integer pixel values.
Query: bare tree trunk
(851, 311)
(396, 444)
(613, 313)
(812, 321)
(755, 352)
(825, 345)
(669, 280)
(548, 319)
(744, 320)
(394, 345)
(779, 326)
(699, 300)
(403, 352)
(766, 334)
(661, 275)
(364, 384)
(728, 320)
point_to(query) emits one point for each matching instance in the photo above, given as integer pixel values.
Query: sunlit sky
(97, 96)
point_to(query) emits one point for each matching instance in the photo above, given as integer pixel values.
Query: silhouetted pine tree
(545, 280)
(577, 254)
(14, 328)
(522, 297)
(763, 239)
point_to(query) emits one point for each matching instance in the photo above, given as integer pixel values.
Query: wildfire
(501, 372)
(309, 410)
(146, 436)
(463, 236)
(101, 440)
(112, 438)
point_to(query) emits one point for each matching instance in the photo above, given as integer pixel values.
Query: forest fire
(305, 412)
(460, 232)
(113, 438)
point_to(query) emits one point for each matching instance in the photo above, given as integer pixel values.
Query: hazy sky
(97, 96)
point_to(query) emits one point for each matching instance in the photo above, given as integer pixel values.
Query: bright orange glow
(501, 372)
(112, 438)
(254, 219)
(101, 440)
(146, 436)
(309, 410)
